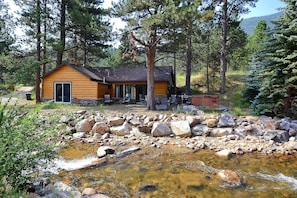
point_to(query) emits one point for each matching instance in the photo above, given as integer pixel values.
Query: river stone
(100, 127)
(212, 122)
(224, 153)
(160, 129)
(104, 150)
(200, 130)
(293, 125)
(226, 120)
(122, 130)
(269, 123)
(83, 126)
(220, 132)
(276, 136)
(229, 176)
(88, 191)
(194, 120)
(115, 121)
(285, 124)
(129, 151)
(135, 122)
(63, 187)
(181, 128)
(79, 135)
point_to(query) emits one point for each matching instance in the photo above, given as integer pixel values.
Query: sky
(265, 7)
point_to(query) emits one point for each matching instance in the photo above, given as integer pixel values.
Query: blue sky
(265, 7)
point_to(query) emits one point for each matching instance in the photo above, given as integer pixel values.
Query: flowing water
(175, 172)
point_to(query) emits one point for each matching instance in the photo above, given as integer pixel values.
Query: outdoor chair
(107, 99)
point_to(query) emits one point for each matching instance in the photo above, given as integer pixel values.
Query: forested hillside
(249, 24)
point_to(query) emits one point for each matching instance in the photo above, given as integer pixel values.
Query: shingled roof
(133, 74)
(121, 74)
(84, 70)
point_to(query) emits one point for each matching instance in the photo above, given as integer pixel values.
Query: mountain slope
(249, 24)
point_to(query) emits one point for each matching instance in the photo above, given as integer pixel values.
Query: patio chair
(107, 99)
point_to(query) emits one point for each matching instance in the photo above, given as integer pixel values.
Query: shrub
(24, 142)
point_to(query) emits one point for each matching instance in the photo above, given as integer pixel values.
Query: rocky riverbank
(226, 134)
(243, 134)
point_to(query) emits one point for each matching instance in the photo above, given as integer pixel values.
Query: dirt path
(18, 96)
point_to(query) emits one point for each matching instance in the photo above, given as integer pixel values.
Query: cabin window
(63, 92)
(119, 91)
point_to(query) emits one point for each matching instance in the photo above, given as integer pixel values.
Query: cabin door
(63, 92)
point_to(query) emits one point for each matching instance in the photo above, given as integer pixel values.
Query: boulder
(135, 122)
(116, 121)
(230, 177)
(276, 136)
(181, 128)
(83, 126)
(79, 135)
(100, 127)
(226, 153)
(88, 191)
(212, 122)
(104, 150)
(194, 120)
(226, 120)
(122, 130)
(129, 151)
(200, 130)
(220, 132)
(160, 129)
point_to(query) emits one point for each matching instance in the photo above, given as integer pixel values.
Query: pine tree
(278, 89)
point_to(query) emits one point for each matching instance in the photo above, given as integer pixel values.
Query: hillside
(249, 24)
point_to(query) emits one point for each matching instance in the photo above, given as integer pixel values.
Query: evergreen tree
(148, 24)
(278, 88)
(91, 31)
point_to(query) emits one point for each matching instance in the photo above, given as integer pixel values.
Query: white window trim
(55, 83)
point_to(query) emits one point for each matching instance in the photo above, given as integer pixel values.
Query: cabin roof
(120, 74)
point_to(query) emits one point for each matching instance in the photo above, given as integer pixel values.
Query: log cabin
(73, 84)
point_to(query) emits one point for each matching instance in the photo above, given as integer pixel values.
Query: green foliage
(272, 85)
(238, 111)
(24, 141)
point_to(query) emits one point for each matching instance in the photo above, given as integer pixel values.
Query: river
(177, 172)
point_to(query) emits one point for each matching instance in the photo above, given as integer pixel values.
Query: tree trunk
(150, 61)
(189, 65)
(62, 33)
(38, 70)
(223, 59)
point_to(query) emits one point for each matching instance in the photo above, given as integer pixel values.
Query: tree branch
(137, 40)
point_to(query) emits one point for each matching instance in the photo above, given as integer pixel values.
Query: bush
(24, 142)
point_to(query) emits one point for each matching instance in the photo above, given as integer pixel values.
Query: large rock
(226, 153)
(116, 121)
(211, 122)
(230, 177)
(220, 132)
(122, 130)
(200, 130)
(160, 129)
(276, 135)
(104, 150)
(100, 127)
(128, 151)
(194, 120)
(83, 126)
(88, 191)
(226, 120)
(180, 128)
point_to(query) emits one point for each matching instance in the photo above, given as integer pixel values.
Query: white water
(279, 178)
(74, 164)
